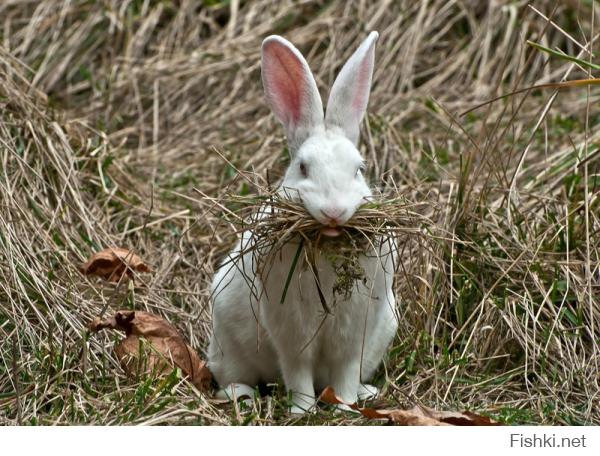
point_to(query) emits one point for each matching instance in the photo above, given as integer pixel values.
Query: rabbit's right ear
(291, 90)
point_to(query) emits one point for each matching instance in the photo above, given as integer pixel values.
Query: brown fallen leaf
(465, 418)
(417, 416)
(153, 345)
(114, 263)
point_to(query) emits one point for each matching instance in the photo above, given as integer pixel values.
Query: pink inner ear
(361, 89)
(286, 81)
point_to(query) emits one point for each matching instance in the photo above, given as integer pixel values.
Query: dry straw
(276, 218)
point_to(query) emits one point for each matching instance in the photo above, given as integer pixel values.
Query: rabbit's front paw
(302, 403)
(367, 392)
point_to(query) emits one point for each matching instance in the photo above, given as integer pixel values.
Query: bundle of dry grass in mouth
(275, 219)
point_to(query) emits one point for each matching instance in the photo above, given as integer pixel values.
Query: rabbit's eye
(303, 170)
(361, 169)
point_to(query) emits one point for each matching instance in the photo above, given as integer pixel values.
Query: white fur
(257, 338)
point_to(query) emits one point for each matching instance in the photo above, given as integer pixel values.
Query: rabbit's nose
(333, 213)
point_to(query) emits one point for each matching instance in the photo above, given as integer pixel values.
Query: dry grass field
(116, 116)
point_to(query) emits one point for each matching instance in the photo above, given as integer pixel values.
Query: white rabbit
(255, 337)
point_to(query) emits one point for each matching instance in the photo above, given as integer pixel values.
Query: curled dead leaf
(153, 345)
(114, 264)
(417, 416)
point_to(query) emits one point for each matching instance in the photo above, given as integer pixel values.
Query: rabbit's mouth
(330, 231)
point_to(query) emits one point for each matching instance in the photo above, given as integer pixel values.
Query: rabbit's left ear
(350, 92)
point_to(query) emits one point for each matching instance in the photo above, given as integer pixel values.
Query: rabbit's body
(298, 340)
(255, 336)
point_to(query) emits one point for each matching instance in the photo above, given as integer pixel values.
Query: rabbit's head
(326, 169)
